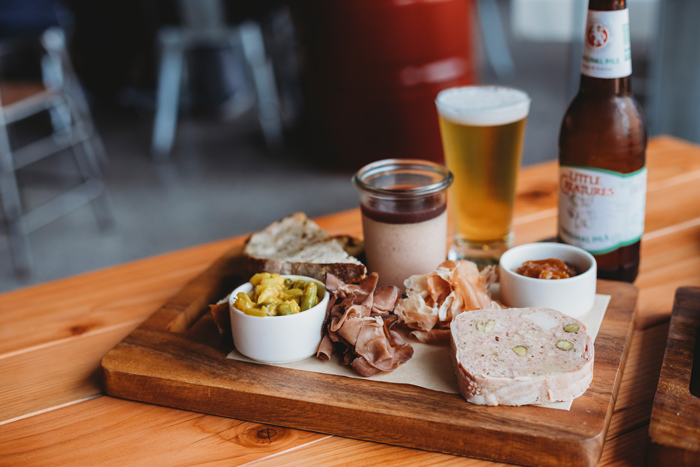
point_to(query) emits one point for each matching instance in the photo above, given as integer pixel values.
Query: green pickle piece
(255, 312)
(564, 345)
(284, 309)
(270, 308)
(310, 293)
(294, 292)
(278, 296)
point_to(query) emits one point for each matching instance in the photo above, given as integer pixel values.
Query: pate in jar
(404, 217)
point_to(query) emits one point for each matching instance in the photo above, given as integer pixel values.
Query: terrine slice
(519, 356)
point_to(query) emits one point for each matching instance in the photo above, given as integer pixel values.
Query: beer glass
(482, 130)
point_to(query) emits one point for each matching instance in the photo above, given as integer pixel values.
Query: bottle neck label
(601, 210)
(606, 46)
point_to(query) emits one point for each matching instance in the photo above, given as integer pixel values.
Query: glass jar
(404, 217)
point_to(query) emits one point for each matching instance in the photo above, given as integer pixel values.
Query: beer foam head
(483, 105)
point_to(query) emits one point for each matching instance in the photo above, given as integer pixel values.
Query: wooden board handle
(192, 302)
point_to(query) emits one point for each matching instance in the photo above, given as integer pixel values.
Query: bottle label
(606, 47)
(601, 210)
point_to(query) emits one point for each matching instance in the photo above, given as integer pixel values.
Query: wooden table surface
(53, 336)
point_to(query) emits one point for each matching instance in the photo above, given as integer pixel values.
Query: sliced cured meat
(384, 299)
(433, 300)
(520, 356)
(358, 324)
(470, 286)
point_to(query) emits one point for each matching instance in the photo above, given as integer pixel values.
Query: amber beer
(482, 131)
(602, 145)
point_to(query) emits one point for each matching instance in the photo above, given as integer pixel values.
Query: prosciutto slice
(433, 300)
(359, 322)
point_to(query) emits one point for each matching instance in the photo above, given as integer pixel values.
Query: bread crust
(346, 271)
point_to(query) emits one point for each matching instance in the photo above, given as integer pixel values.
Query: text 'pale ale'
(602, 145)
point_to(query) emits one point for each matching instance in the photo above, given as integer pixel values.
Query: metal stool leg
(168, 93)
(58, 71)
(101, 205)
(88, 163)
(12, 206)
(61, 120)
(81, 113)
(69, 121)
(264, 80)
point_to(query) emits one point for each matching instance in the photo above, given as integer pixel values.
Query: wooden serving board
(177, 359)
(674, 430)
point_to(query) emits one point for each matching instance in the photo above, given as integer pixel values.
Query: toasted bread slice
(296, 245)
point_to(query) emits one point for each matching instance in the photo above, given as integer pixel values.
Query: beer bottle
(602, 144)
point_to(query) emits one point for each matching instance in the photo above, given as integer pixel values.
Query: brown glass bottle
(603, 130)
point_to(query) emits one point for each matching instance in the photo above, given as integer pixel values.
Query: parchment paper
(431, 366)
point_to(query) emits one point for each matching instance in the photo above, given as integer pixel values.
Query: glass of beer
(482, 131)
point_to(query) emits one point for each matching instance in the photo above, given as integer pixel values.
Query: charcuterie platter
(178, 358)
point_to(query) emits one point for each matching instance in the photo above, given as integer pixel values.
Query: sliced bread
(296, 245)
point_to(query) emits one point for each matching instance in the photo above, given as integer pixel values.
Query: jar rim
(359, 180)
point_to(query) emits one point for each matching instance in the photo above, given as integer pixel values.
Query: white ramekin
(278, 339)
(573, 296)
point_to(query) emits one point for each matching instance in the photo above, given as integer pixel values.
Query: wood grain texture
(337, 452)
(114, 432)
(44, 437)
(158, 366)
(669, 158)
(674, 431)
(672, 204)
(668, 262)
(623, 450)
(187, 306)
(57, 374)
(100, 299)
(636, 394)
(53, 359)
(626, 449)
(41, 321)
(627, 432)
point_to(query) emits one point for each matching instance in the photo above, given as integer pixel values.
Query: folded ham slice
(433, 300)
(359, 322)
(521, 356)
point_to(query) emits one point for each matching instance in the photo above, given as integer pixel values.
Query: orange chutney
(550, 268)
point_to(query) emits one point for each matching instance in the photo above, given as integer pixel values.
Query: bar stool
(61, 96)
(204, 26)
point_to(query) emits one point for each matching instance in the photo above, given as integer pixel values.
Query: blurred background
(136, 127)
